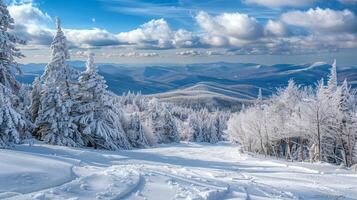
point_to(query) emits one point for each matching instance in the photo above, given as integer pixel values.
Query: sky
(191, 31)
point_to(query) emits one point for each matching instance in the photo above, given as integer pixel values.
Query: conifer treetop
(90, 62)
(8, 50)
(59, 45)
(332, 82)
(58, 23)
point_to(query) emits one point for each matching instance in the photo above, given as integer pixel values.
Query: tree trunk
(318, 137)
(288, 150)
(301, 149)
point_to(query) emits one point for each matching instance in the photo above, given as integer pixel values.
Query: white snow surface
(179, 171)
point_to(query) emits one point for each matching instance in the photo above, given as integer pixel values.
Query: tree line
(302, 123)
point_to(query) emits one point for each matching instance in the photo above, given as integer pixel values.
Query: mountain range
(222, 85)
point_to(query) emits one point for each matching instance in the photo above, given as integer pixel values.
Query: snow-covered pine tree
(259, 100)
(220, 123)
(345, 123)
(162, 123)
(332, 79)
(213, 129)
(35, 99)
(98, 119)
(54, 125)
(13, 126)
(57, 69)
(169, 128)
(136, 132)
(195, 128)
(13, 104)
(8, 51)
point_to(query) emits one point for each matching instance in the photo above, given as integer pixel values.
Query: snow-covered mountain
(224, 85)
(208, 95)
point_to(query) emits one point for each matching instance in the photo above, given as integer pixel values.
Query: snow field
(178, 171)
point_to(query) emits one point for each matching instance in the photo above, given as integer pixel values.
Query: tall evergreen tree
(135, 131)
(57, 70)
(35, 99)
(8, 51)
(169, 128)
(332, 79)
(12, 124)
(55, 123)
(55, 126)
(98, 120)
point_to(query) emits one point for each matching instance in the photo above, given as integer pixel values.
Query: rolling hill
(226, 85)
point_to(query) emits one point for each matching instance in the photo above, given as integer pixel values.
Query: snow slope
(180, 171)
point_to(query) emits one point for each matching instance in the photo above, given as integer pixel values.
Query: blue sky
(176, 31)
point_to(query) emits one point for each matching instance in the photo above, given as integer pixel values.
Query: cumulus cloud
(276, 28)
(326, 20)
(91, 38)
(31, 23)
(234, 29)
(157, 34)
(237, 33)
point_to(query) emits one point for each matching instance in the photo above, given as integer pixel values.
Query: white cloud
(326, 20)
(276, 28)
(237, 33)
(234, 29)
(131, 54)
(28, 14)
(31, 23)
(157, 34)
(189, 53)
(91, 37)
(281, 3)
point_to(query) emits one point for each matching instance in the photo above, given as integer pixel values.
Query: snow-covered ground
(181, 171)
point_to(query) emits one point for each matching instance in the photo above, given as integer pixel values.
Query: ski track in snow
(179, 171)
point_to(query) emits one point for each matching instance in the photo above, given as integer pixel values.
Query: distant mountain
(212, 84)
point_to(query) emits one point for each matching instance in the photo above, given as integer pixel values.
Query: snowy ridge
(181, 171)
(209, 95)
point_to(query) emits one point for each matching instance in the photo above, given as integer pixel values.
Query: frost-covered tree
(35, 99)
(136, 131)
(162, 123)
(54, 120)
(302, 123)
(57, 70)
(345, 124)
(98, 119)
(332, 79)
(169, 128)
(13, 126)
(54, 125)
(9, 52)
(259, 100)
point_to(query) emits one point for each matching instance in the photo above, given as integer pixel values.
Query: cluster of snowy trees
(299, 123)
(14, 126)
(163, 122)
(71, 108)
